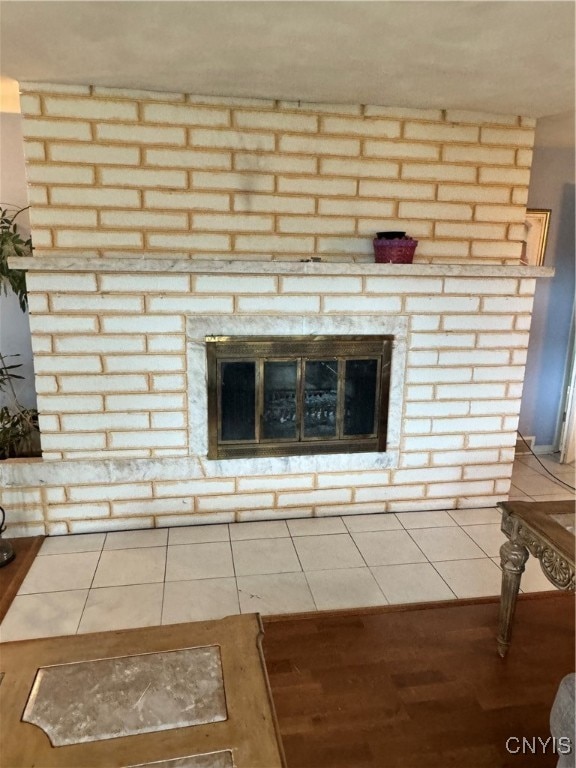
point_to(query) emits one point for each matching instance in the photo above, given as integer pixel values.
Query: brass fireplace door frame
(259, 349)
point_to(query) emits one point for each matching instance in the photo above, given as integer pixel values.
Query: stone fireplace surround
(120, 366)
(160, 217)
(289, 325)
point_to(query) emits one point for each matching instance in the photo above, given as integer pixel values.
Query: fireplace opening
(295, 395)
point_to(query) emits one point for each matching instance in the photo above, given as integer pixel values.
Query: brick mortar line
(266, 105)
(320, 133)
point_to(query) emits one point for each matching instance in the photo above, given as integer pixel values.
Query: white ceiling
(501, 57)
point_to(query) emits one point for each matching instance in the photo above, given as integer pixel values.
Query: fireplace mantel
(145, 263)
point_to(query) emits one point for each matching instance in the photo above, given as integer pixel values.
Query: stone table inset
(109, 698)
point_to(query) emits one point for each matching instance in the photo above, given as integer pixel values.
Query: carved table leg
(513, 558)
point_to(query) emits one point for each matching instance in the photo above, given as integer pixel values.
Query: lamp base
(6, 553)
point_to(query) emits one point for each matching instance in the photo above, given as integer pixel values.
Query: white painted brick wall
(83, 404)
(100, 343)
(80, 153)
(438, 408)
(263, 180)
(101, 197)
(141, 177)
(275, 483)
(85, 148)
(362, 304)
(46, 281)
(143, 363)
(103, 383)
(140, 134)
(145, 324)
(389, 129)
(185, 115)
(166, 438)
(425, 323)
(399, 149)
(190, 304)
(98, 303)
(68, 364)
(104, 421)
(136, 402)
(109, 493)
(234, 502)
(63, 324)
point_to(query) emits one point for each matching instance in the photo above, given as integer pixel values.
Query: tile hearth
(95, 582)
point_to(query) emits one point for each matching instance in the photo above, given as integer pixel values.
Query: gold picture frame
(535, 236)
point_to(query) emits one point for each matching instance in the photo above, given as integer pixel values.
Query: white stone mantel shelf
(146, 263)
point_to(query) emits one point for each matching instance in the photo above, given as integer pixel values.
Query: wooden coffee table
(179, 696)
(544, 529)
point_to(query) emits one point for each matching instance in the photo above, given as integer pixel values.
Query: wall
(154, 211)
(549, 353)
(115, 171)
(122, 402)
(14, 328)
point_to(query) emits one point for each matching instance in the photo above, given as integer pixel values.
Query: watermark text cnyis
(536, 745)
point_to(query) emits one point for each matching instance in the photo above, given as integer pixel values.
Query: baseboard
(521, 448)
(543, 449)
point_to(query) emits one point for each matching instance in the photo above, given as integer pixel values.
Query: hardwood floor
(424, 687)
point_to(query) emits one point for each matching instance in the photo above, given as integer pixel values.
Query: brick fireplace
(162, 219)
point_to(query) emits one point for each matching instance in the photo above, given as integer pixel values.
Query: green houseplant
(12, 244)
(18, 424)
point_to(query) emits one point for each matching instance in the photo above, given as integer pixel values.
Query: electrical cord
(552, 475)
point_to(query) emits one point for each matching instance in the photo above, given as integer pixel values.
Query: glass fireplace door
(282, 396)
(281, 408)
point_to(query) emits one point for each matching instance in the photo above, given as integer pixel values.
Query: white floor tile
(121, 567)
(516, 494)
(81, 542)
(471, 578)
(316, 526)
(199, 600)
(565, 473)
(275, 593)
(125, 607)
(199, 561)
(60, 573)
(388, 547)
(43, 615)
(318, 553)
(259, 556)
(533, 578)
(383, 522)
(488, 537)
(126, 569)
(446, 544)
(198, 534)
(266, 529)
(157, 537)
(537, 484)
(523, 470)
(412, 520)
(411, 583)
(479, 516)
(344, 588)
(550, 462)
(561, 496)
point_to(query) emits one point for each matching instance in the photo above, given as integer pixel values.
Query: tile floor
(95, 582)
